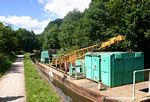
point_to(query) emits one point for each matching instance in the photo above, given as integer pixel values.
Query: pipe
(149, 84)
(133, 97)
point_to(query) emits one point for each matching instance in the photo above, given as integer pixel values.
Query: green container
(44, 57)
(96, 64)
(117, 68)
(88, 65)
(92, 66)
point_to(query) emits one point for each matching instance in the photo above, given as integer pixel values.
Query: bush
(1, 58)
(5, 62)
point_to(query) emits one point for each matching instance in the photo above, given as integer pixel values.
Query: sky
(36, 14)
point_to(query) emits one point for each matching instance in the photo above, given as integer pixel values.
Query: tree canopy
(102, 20)
(13, 41)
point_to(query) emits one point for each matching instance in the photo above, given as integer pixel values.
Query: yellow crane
(78, 54)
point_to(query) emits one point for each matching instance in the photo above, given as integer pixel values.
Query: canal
(63, 91)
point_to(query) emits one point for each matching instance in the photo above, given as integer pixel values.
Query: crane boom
(80, 53)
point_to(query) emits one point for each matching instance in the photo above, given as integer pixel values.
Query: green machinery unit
(114, 68)
(92, 66)
(45, 57)
(77, 69)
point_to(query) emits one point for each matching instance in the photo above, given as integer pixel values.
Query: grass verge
(37, 90)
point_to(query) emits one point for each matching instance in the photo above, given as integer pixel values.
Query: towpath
(12, 85)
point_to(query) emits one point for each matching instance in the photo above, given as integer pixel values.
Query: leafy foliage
(102, 20)
(12, 42)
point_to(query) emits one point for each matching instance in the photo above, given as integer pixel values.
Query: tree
(8, 41)
(27, 40)
(69, 35)
(137, 22)
(50, 35)
(102, 20)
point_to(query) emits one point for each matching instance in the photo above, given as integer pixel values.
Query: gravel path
(12, 85)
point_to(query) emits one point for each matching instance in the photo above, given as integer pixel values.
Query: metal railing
(134, 73)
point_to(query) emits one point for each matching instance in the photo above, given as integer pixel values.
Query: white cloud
(42, 1)
(54, 8)
(26, 22)
(61, 7)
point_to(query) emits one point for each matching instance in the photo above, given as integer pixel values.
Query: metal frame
(137, 71)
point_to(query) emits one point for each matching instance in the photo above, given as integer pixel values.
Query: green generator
(93, 66)
(114, 68)
(117, 68)
(45, 57)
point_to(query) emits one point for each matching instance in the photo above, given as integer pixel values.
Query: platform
(121, 93)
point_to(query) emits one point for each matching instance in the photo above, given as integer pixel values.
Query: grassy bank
(4, 66)
(37, 90)
(5, 63)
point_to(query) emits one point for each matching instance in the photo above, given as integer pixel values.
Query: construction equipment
(77, 69)
(79, 54)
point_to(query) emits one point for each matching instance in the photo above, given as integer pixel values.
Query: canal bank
(66, 94)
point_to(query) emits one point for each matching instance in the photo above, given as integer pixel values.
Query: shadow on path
(15, 67)
(9, 98)
(19, 58)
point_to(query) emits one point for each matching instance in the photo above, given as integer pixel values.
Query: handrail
(137, 71)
